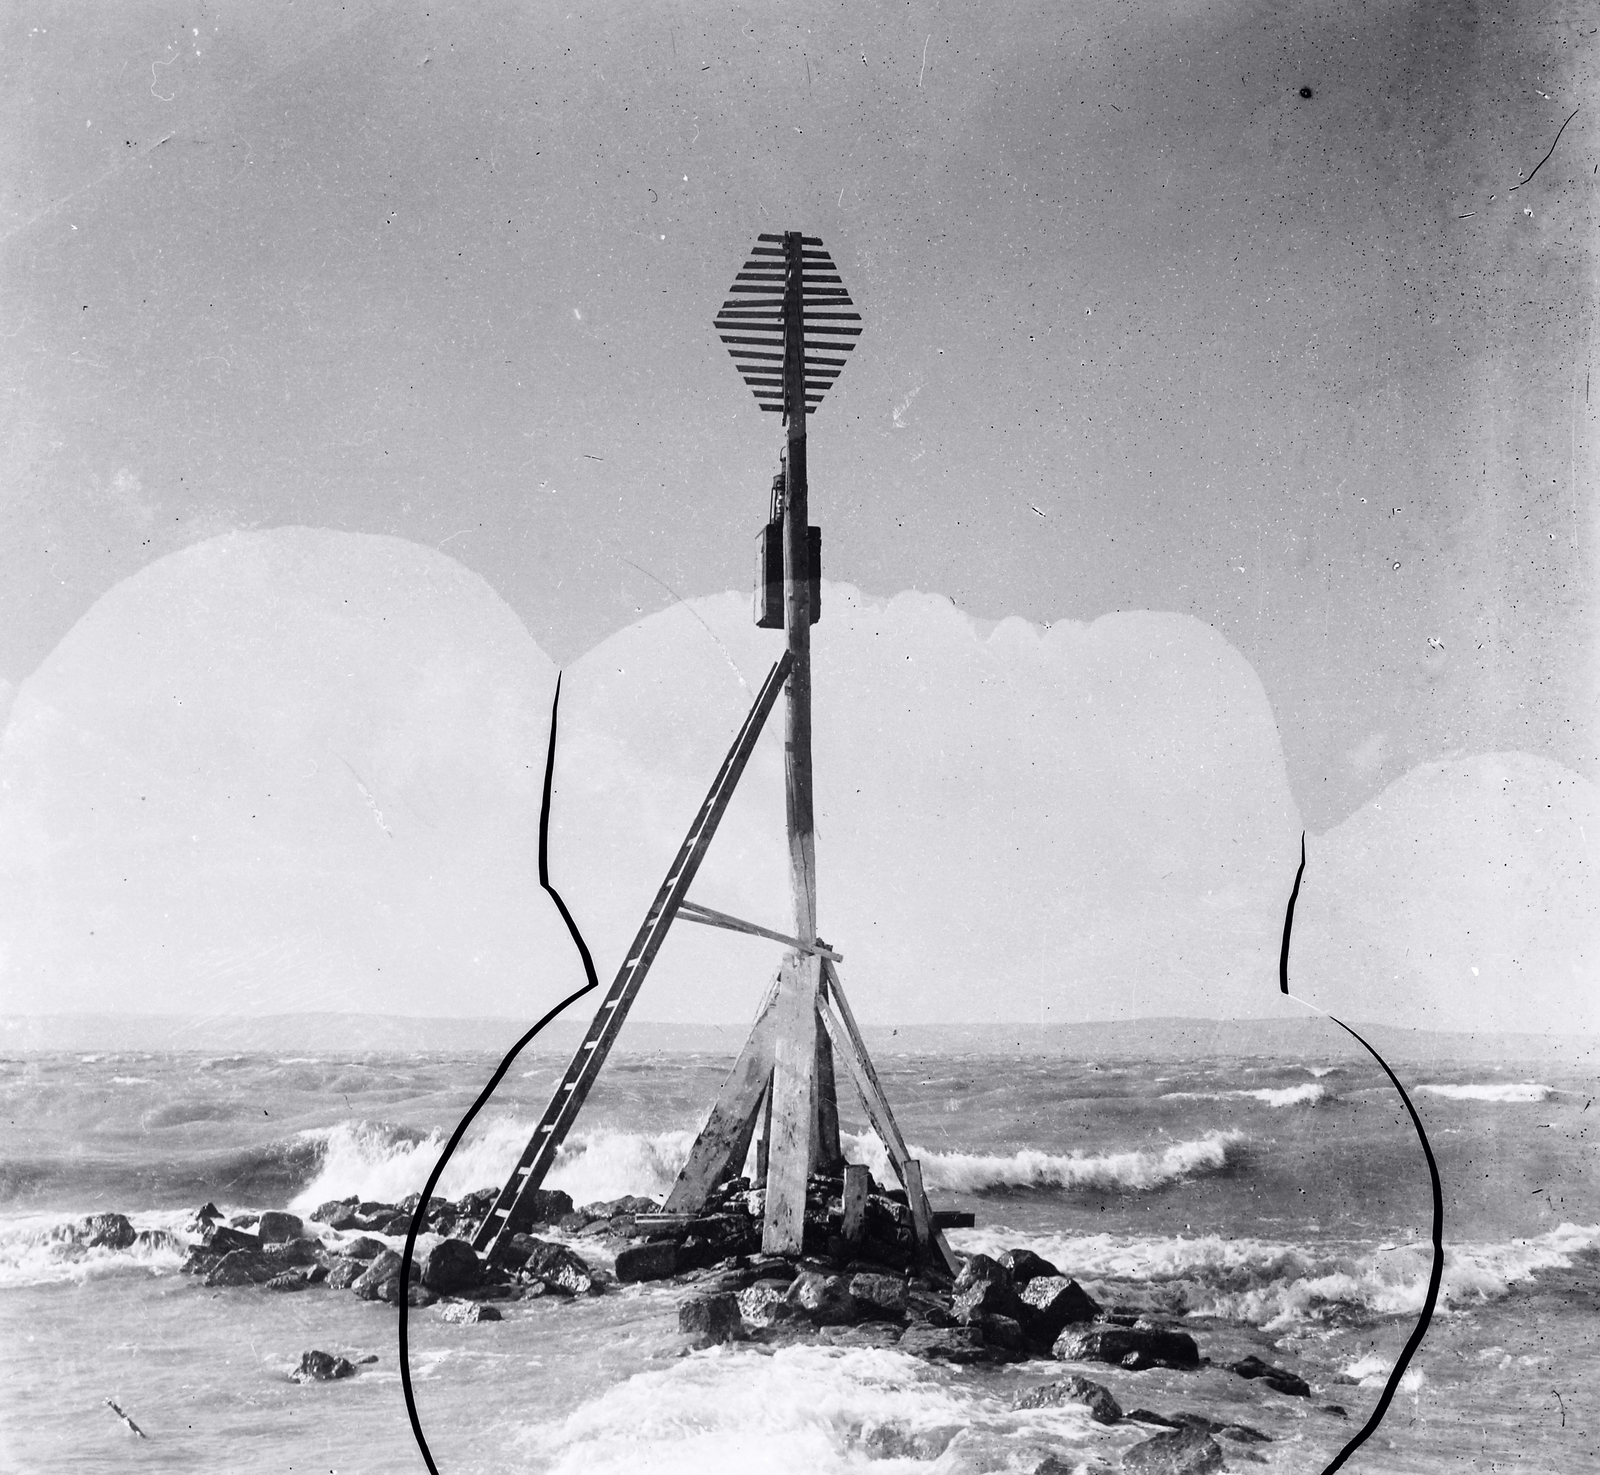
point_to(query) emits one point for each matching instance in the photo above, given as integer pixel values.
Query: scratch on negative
(153, 93)
(924, 70)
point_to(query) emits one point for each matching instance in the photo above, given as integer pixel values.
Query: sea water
(1273, 1206)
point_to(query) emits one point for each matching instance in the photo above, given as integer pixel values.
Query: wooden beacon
(789, 325)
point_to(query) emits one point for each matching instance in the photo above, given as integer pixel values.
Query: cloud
(1462, 897)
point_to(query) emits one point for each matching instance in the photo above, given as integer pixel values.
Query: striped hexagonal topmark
(751, 320)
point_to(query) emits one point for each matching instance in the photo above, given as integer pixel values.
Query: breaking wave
(39, 1249)
(385, 1163)
(1307, 1094)
(1492, 1091)
(1028, 1168)
(1277, 1286)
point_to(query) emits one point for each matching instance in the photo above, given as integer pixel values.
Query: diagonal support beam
(724, 1141)
(842, 1029)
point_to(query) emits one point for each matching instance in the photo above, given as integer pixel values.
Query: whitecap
(1491, 1091)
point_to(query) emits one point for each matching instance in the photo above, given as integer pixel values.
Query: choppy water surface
(1274, 1205)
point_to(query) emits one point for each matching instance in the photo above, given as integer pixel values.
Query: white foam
(46, 1249)
(798, 1411)
(1492, 1091)
(1277, 1286)
(374, 1162)
(1306, 1094)
(1029, 1168)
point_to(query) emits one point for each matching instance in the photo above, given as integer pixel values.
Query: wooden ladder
(540, 1153)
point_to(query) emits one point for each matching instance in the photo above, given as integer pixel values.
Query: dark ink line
(419, 1214)
(1421, 1329)
(1431, 1300)
(1288, 919)
(1540, 165)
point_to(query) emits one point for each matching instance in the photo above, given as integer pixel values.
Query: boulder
(654, 1260)
(1279, 1379)
(1054, 1302)
(240, 1268)
(1024, 1266)
(1182, 1452)
(288, 1280)
(1103, 1408)
(879, 1295)
(713, 1318)
(302, 1251)
(363, 1247)
(982, 1270)
(1241, 1433)
(1130, 1347)
(765, 1304)
(557, 1267)
(243, 1221)
(824, 1300)
(342, 1274)
(322, 1367)
(956, 1344)
(275, 1227)
(338, 1208)
(222, 1238)
(1000, 1331)
(369, 1285)
(469, 1313)
(449, 1266)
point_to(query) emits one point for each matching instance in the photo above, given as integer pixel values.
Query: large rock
(1000, 1331)
(469, 1313)
(1054, 1302)
(449, 1266)
(655, 1260)
(765, 1304)
(980, 1270)
(241, 1268)
(824, 1300)
(956, 1344)
(879, 1295)
(342, 1274)
(322, 1367)
(369, 1285)
(1024, 1266)
(1279, 1379)
(275, 1227)
(302, 1251)
(1183, 1452)
(557, 1267)
(335, 1209)
(713, 1318)
(221, 1238)
(107, 1231)
(1103, 1408)
(363, 1247)
(1130, 1347)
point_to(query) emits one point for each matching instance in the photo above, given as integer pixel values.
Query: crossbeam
(692, 911)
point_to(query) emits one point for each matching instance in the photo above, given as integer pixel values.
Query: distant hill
(1143, 1038)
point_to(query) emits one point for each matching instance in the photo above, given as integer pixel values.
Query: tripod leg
(725, 1139)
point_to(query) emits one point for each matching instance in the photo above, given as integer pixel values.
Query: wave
(1029, 1168)
(1279, 1286)
(800, 1411)
(384, 1163)
(1307, 1094)
(1492, 1091)
(38, 1249)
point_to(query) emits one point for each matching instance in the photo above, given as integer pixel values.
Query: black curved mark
(1288, 919)
(420, 1212)
(1431, 1300)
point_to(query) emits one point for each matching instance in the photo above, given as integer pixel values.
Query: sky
(1148, 332)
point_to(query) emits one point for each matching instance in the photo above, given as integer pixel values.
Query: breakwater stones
(274, 1251)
